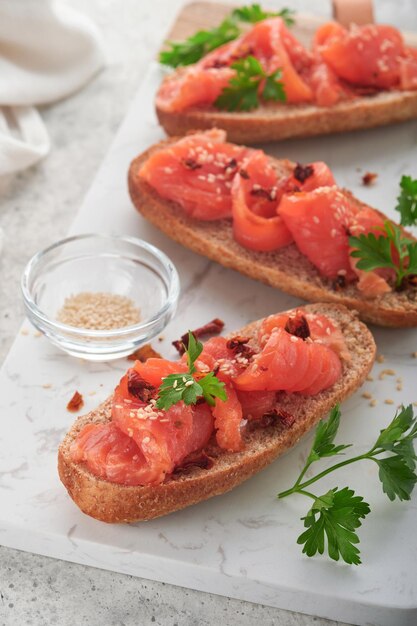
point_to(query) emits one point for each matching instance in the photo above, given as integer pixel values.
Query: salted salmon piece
(195, 85)
(268, 41)
(255, 404)
(155, 369)
(288, 363)
(255, 198)
(217, 357)
(318, 328)
(196, 172)
(319, 221)
(367, 55)
(228, 417)
(109, 453)
(408, 69)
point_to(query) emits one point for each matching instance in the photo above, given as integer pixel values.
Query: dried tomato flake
(302, 172)
(298, 326)
(144, 353)
(76, 403)
(138, 387)
(369, 178)
(211, 328)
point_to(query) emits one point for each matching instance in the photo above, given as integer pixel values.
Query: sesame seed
(414, 355)
(174, 384)
(388, 401)
(189, 383)
(372, 403)
(316, 219)
(387, 372)
(146, 440)
(380, 358)
(370, 378)
(47, 386)
(168, 170)
(366, 395)
(98, 311)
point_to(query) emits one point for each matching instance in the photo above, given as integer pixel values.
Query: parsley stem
(299, 487)
(307, 493)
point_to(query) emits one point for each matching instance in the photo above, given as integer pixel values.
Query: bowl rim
(173, 285)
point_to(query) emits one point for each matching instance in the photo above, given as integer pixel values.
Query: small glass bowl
(100, 263)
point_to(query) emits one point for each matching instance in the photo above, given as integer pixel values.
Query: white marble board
(242, 544)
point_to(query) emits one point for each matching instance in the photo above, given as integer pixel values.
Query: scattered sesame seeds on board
(98, 311)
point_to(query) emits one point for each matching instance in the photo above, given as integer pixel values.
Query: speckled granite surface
(36, 208)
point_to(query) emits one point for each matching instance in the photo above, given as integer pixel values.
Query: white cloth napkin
(47, 51)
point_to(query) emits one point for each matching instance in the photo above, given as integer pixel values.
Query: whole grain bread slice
(113, 503)
(287, 268)
(275, 121)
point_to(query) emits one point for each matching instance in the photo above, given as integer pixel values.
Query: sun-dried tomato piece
(199, 459)
(139, 387)
(76, 403)
(239, 345)
(144, 353)
(369, 178)
(298, 326)
(302, 172)
(211, 328)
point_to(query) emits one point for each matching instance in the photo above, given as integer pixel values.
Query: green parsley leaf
(198, 45)
(378, 252)
(184, 387)
(242, 92)
(397, 478)
(407, 201)
(212, 388)
(323, 440)
(274, 89)
(254, 13)
(193, 351)
(334, 516)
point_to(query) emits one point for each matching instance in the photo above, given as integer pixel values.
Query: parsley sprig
(254, 13)
(243, 91)
(190, 386)
(198, 45)
(391, 250)
(407, 201)
(337, 514)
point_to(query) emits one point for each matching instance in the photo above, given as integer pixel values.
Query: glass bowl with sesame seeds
(99, 297)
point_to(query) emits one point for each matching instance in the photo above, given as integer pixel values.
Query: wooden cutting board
(203, 15)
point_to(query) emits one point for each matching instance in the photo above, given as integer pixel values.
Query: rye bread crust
(275, 122)
(286, 269)
(115, 503)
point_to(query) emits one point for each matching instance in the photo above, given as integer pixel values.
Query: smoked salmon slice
(319, 221)
(197, 172)
(255, 198)
(289, 363)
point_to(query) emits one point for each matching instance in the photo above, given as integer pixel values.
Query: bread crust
(113, 503)
(286, 269)
(275, 121)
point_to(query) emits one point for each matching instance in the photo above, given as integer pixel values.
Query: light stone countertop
(37, 207)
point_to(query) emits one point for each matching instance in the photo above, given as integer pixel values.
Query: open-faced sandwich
(175, 433)
(264, 85)
(285, 224)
